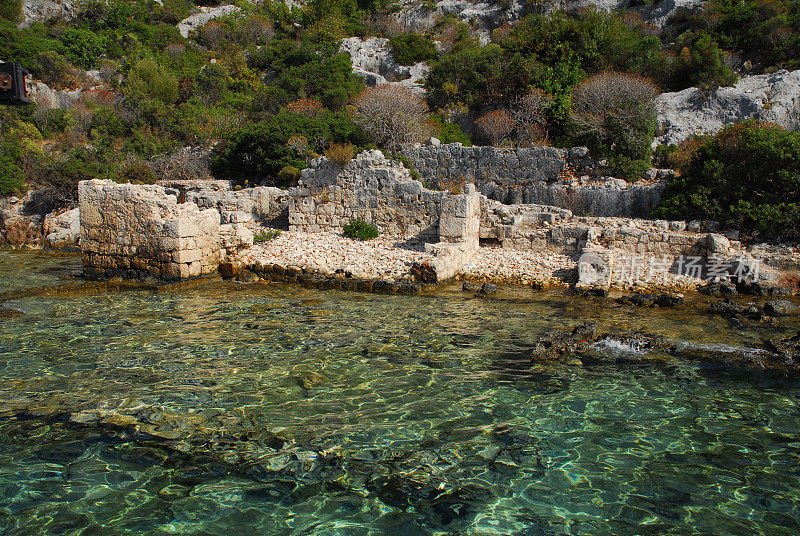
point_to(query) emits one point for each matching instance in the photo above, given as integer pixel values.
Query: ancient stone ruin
(189, 228)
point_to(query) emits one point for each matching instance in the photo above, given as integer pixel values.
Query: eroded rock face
(42, 10)
(773, 98)
(373, 61)
(49, 98)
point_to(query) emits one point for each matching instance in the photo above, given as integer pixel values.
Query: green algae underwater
(224, 408)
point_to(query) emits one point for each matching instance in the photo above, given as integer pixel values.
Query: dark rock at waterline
(246, 276)
(469, 286)
(578, 346)
(642, 300)
(787, 349)
(488, 288)
(228, 269)
(592, 292)
(424, 272)
(729, 309)
(669, 300)
(555, 345)
(719, 289)
(781, 308)
(653, 300)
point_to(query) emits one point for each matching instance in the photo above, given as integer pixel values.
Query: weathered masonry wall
(262, 205)
(371, 188)
(537, 175)
(135, 230)
(528, 227)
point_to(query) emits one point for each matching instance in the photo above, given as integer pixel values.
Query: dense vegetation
(268, 89)
(747, 177)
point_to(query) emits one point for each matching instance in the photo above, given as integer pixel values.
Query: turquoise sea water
(268, 409)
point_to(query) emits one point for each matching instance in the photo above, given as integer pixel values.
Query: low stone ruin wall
(526, 227)
(538, 175)
(135, 230)
(371, 188)
(263, 205)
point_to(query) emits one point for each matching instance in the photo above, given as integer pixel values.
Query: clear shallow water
(280, 410)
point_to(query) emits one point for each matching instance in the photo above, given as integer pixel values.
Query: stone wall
(135, 230)
(263, 205)
(527, 227)
(371, 188)
(440, 164)
(538, 175)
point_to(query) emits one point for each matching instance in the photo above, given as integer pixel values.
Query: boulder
(62, 230)
(781, 308)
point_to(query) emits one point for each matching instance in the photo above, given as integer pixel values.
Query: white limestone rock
(373, 61)
(198, 20)
(62, 230)
(773, 98)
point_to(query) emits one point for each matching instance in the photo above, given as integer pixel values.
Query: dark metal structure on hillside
(12, 85)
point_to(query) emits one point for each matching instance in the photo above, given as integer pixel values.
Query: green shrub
(83, 47)
(411, 48)
(258, 152)
(289, 175)
(259, 237)
(12, 180)
(747, 177)
(25, 46)
(11, 10)
(148, 79)
(360, 230)
(699, 62)
(448, 132)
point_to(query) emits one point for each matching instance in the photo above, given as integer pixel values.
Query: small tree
(615, 114)
(529, 113)
(393, 115)
(495, 126)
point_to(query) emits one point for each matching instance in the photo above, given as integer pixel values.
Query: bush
(11, 10)
(340, 153)
(614, 114)
(289, 175)
(392, 115)
(83, 47)
(411, 48)
(258, 152)
(360, 230)
(259, 237)
(495, 126)
(700, 63)
(12, 180)
(529, 114)
(148, 79)
(136, 172)
(448, 132)
(747, 177)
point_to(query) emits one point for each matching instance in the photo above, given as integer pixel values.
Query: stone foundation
(134, 231)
